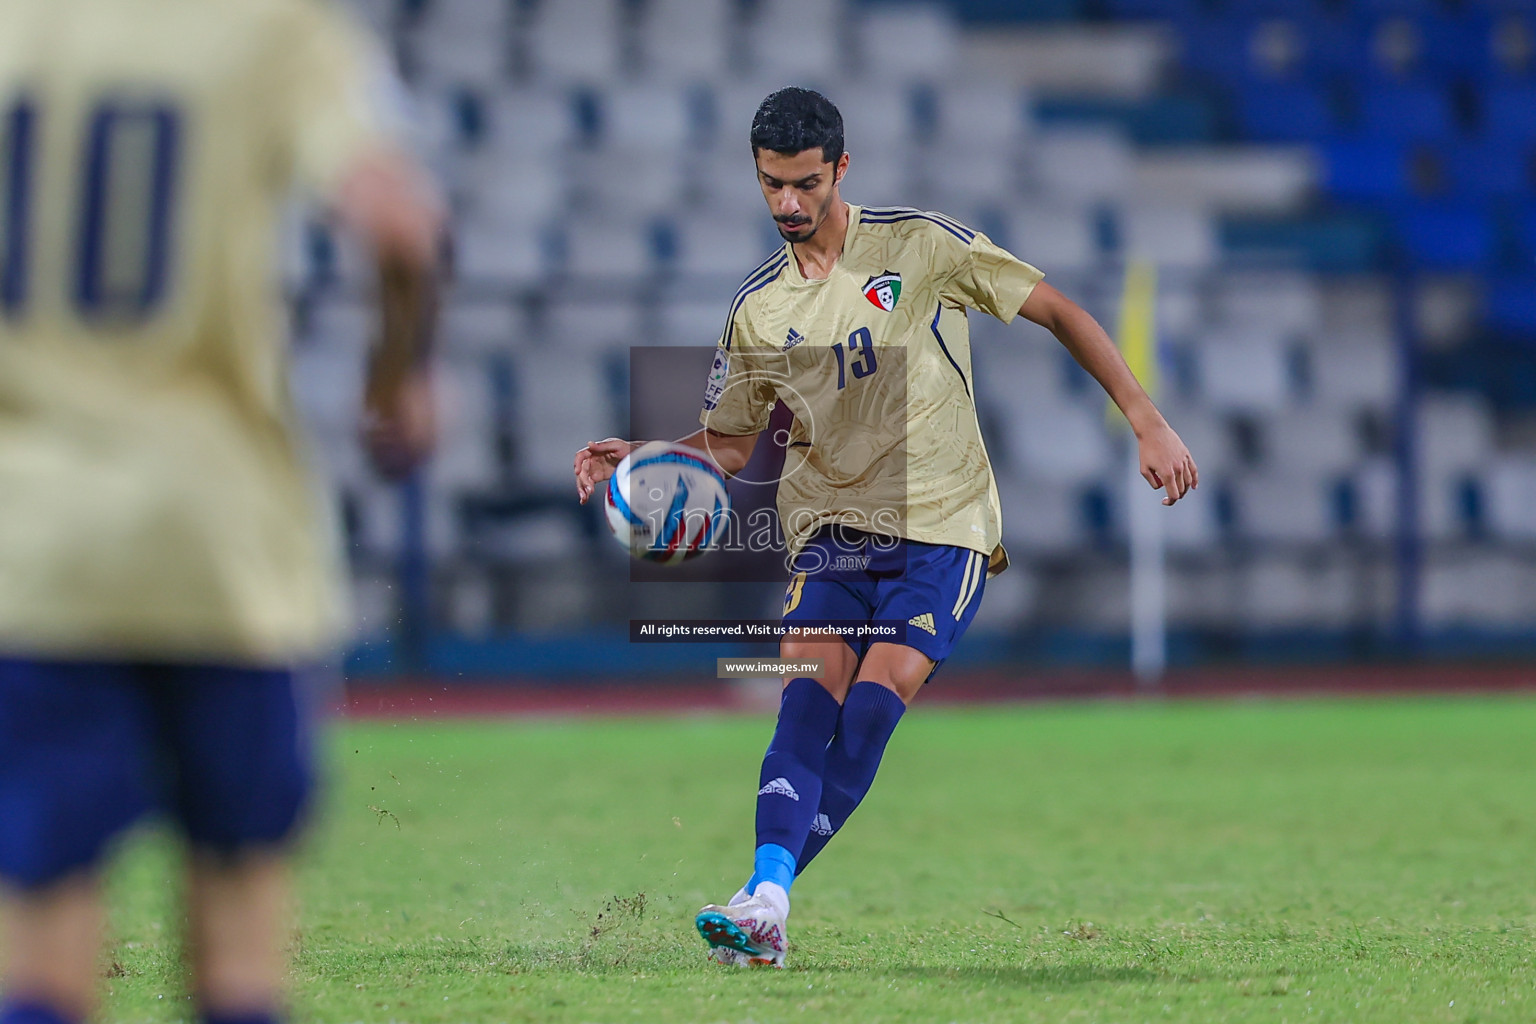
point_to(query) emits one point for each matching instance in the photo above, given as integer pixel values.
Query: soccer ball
(667, 503)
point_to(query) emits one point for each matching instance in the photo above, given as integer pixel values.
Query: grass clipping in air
(1328, 861)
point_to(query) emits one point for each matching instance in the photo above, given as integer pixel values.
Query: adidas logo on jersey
(822, 826)
(794, 338)
(925, 622)
(781, 787)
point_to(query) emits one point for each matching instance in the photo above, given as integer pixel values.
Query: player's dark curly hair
(793, 120)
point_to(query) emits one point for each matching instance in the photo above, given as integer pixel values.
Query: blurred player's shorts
(89, 748)
(928, 592)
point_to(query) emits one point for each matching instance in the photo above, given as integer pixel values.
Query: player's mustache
(793, 221)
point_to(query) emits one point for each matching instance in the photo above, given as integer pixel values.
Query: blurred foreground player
(886, 499)
(166, 566)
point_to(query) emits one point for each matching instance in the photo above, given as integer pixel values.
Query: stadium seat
(686, 40)
(1446, 237)
(657, 117)
(1353, 373)
(1081, 165)
(1366, 170)
(1510, 490)
(907, 42)
(458, 41)
(632, 181)
(1278, 591)
(721, 246)
(1511, 305)
(811, 50)
(689, 321)
(1280, 507)
(975, 116)
(475, 325)
(576, 41)
(591, 323)
(1321, 442)
(1455, 433)
(531, 122)
(887, 116)
(1492, 168)
(1168, 236)
(1053, 237)
(1243, 371)
(1065, 443)
(554, 419)
(1285, 112)
(1509, 111)
(1287, 302)
(1406, 112)
(489, 253)
(609, 251)
(1040, 518)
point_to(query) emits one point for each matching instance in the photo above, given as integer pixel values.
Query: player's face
(800, 189)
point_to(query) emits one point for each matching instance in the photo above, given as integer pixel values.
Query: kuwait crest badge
(883, 290)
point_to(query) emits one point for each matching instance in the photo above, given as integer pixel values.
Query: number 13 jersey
(875, 363)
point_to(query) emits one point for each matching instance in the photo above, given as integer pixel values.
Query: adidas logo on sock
(924, 621)
(780, 786)
(822, 826)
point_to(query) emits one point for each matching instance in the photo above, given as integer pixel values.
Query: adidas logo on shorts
(780, 786)
(822, 826)
(925, 622)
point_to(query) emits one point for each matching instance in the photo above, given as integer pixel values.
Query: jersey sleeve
(738, 397)
(334, 93)
(985, 276)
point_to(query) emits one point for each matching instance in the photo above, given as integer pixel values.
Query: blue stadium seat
(1285, 112)
(1446, 237)
(1511, 305)
(1177, 10)
(1369, 170)
(1406, 112)
(1456, 45)
(1489, 169)
(1509, 111)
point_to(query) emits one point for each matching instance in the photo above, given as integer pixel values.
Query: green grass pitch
(1331, 860)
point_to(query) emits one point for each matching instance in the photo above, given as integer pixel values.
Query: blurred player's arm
(384, 199)
(1165, 461)
(596, 462)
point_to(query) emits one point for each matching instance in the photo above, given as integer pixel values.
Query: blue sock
(789, 787)
(30, 1013)
(869, 717)
(240, 1018)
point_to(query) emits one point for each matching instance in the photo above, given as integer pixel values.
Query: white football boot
(753, 930)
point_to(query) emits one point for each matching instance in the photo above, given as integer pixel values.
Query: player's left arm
(1165, 461)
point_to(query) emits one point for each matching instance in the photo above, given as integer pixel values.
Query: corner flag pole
(1149, 618)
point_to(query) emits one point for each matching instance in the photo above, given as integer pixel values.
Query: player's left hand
(1166, 463)
(399, 420)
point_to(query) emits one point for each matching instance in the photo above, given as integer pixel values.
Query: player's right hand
(596, 462)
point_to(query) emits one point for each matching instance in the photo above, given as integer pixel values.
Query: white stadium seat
(658, 117)
(591, 323)
(560, 404)
(1053, 237)
(793, 40)
(505, 253)
(1082, 166)
(1171, 237)
(1242, 372)
(576, 41)
(1283, 507)
(687, 40)
(908, 42)
(608, 251)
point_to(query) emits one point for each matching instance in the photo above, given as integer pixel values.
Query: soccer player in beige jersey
(166, 567)
(858, 325)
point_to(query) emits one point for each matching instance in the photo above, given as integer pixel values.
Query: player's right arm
(385, 200)
(336, 119)
(597, 461)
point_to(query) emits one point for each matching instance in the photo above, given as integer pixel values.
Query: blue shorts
(927, 593)
(88, 748)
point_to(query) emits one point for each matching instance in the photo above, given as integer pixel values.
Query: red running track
(418, 698)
